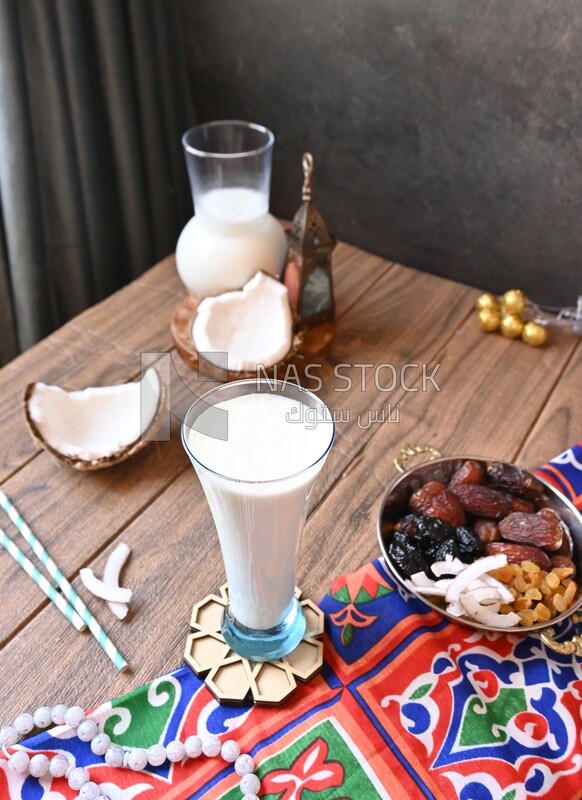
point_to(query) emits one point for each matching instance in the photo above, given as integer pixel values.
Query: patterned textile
(565, 473)
(408, 706)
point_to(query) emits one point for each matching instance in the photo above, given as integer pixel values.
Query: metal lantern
(307, 273)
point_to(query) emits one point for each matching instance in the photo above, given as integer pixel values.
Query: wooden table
(495, 398)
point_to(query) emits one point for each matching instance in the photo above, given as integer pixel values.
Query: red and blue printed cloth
(408, 706)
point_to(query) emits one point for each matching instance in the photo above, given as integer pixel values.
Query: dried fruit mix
(497, 511)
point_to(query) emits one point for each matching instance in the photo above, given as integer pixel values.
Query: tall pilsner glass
(257, 447)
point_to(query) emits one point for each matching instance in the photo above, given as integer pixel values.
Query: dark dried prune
(483, 501)
(469, 472)
(487, 530)
(541, 530)
(516, 553)
(435, 500)
(469, 545)
(408, 524)
(405, 556)
(430, 531)
(448, 547)
(515, 480)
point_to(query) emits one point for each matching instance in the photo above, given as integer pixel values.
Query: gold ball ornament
(489, 319)
(513, 302)
(486, 301)
(534, 334)
(511, 326)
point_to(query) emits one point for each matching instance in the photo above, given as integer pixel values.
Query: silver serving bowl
(395, 504)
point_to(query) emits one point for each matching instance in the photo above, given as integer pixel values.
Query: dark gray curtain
(93, 186)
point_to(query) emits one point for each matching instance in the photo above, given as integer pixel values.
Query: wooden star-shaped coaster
(232, 678)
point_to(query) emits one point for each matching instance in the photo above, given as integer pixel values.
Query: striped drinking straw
(64, 585)
(40, 580)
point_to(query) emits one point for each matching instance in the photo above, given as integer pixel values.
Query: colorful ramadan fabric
(565, 473)
(408, 706)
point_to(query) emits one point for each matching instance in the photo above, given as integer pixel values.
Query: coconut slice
(113, 594)
(253, 325)
(465, 578)
(97, 426)
(111, 575)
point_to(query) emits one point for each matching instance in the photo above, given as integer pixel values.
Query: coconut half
(98, 426)
(253, 325)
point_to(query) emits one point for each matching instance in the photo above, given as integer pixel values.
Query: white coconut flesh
(97, 422)
(253, 325)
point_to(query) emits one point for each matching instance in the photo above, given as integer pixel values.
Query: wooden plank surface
(496, 398)
(60, 503)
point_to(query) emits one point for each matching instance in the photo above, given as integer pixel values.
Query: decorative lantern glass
(307, 273)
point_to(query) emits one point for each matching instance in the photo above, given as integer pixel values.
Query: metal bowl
(395, 504)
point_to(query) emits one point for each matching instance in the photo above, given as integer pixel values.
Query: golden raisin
(527, 617)
(529, 566)
(542, 613)
(552, 580)
(563, 572)
(569, 593)
(503, 574)
(559, 603)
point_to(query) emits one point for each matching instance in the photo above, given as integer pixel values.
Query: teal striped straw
(63, 584)
(40, 580)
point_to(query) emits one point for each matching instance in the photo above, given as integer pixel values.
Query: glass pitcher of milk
(232, 235)
(258, 447)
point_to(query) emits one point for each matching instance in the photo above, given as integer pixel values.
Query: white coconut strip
(486, 616)
(486, 594)
(456, 610)
(477, 584)
(111, 575)
(102, 590)
(450, 566)
(504, 593)
(471, 573)
(421, 579)
(434, 591)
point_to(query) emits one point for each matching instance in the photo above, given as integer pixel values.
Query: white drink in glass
(257, 483)
(231, 237)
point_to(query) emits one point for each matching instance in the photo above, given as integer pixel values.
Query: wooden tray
(232, 678)
(306, 345)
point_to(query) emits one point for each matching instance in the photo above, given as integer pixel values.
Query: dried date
(483, 501)
(435, 500)
(565, 549)
(487, 530)
(515, 480)
(516, 553)
(519, 504)
(543, 529)
(558, 526)
(470, 472)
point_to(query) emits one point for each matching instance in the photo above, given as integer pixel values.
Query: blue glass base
(265, 645)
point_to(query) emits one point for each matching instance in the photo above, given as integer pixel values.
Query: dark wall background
(447, 134)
